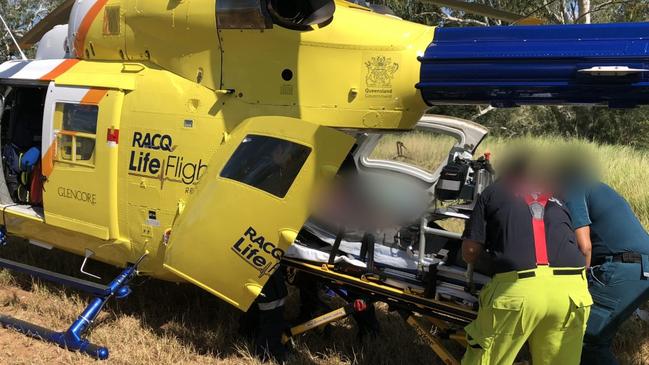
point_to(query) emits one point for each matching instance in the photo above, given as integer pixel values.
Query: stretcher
(415, 268)
(437, 298)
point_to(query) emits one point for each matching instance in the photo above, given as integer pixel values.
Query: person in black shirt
(539, 291)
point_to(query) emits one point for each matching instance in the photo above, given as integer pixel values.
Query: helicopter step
(72, 339)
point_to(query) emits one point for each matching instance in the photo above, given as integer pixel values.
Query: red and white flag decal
(112, 137)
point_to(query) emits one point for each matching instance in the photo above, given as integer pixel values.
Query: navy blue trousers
(618, 289)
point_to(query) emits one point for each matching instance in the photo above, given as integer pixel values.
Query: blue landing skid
(72, 338)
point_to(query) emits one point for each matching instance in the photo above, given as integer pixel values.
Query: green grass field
(163, 323)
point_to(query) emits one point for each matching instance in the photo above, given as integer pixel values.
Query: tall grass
(422, 149)
(626, 169)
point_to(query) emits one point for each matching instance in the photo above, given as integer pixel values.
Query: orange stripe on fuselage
(84, 27)
(94, 96)
(48, 160)
(59, 70)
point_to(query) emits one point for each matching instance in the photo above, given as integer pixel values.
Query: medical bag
(452, 179)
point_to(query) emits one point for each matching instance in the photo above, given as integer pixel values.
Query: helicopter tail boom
(510, 66)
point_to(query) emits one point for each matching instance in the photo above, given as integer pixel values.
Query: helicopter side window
(242, 14)
(267, 163)
(76, 126)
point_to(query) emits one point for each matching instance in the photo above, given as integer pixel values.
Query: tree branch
(558, 17)
(453, 19)
(601, 7)
(482, 112)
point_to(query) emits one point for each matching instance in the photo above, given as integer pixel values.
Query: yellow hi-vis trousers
(542, 306)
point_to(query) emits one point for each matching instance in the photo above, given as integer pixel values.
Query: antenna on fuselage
(22, 54)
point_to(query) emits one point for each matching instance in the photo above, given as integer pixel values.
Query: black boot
(268, 338)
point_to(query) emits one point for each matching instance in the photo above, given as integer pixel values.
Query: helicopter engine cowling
(76, 33)
(54, 44)
(521, 65)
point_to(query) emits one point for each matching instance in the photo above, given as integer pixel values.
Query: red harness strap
(537, 205)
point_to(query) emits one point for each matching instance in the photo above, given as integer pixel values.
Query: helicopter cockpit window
(76, 126)
(241, 14)
(267, 163)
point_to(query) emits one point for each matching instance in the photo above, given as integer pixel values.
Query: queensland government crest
(380, 73)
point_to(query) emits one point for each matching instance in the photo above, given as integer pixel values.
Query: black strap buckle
(568, 272)
(525, 275)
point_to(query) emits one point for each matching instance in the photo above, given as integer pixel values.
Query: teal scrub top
(614, 226)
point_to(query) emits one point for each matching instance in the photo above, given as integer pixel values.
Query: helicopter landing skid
(72, 338)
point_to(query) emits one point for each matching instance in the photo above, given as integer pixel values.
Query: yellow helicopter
(186, 139)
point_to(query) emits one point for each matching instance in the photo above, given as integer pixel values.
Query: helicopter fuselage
(169, 97)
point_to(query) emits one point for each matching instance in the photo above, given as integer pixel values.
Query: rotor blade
(479, 9)
(60, 15)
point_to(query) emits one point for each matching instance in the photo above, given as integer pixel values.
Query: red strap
(36, 186)
(538, 228)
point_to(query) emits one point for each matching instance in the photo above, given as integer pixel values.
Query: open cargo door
(422, 152)
(251, 203)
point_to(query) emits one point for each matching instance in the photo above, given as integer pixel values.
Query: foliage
(21, 16)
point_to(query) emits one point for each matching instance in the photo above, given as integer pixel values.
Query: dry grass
(417, 149)
(163, 323)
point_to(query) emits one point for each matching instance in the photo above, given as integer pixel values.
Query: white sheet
(301, 252)
(451, 291)
(384, 255)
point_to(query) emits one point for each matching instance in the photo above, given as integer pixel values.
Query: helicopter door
(422, 153)
(79, 159)
(251, 203)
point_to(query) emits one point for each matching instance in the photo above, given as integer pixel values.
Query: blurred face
(549, 169)
(528, 167)
(516, 163)
(573, 166)
(371, 203)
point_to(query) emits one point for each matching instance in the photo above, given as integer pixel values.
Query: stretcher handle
(334, 250)
(470, 269)
(356, 306)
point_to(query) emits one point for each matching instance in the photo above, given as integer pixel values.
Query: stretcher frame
(434, 320)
